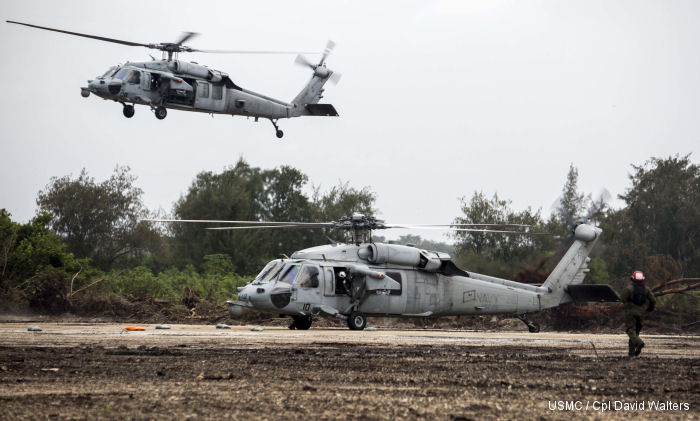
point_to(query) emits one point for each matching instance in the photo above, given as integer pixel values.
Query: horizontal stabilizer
(598, 293)
(324, 110)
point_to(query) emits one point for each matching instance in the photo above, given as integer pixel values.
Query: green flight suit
(634, 314)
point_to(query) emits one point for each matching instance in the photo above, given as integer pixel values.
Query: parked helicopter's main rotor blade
(114, 40)
(468, 230)
(252, 227)
(216, 221)
(456, 225)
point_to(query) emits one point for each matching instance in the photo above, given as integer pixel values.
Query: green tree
(572, 204)
(236, 194)
(245, 193)
(340, 201)
(34, 262)
(480, 210)
(493, 253)
(99, 220)
(661, 217)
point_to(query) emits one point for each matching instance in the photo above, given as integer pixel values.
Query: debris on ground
(371, 329)
(223, 326)
(34, 329)
(256, 329)
(162, 326)
(134, 328)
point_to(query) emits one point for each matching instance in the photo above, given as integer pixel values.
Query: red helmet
(637, 276)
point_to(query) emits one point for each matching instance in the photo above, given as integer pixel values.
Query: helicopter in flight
(363, 278)
(170, 83)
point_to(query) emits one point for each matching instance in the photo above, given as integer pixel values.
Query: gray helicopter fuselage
(184, 86)
(393, 280)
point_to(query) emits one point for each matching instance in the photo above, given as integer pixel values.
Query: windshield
(110, 72)
(289, 273)
(269, 272)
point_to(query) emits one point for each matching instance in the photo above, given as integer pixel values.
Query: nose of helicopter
(271, 297)
(103, 87)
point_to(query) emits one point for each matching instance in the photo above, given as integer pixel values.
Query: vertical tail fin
(572, 268)
(304, 102)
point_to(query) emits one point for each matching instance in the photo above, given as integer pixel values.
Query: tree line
(89, 237)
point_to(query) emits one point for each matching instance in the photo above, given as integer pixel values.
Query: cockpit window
(121, 74)
(269, 271)
(309, 277)
(289, 274)
(110, 72)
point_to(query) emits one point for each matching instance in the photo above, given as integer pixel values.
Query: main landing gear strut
(279, 133)
(533, 327)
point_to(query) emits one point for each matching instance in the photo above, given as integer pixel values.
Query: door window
(203, 90)
(397, 277)
(217, 91)
(309, 277)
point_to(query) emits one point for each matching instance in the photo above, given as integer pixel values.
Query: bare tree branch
(93, 283)
(678, 290)
(673, 282)
(70, 293)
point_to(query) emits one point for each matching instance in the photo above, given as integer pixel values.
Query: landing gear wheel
(301, 322)
(357, 320)
(279, 133)
(161, 113)
(533, 327)
(128, 111)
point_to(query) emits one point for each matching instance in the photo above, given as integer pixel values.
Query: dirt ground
(99, 371)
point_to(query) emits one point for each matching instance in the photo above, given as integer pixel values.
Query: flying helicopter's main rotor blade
(185, 37)
(267, 223)
(196, 50)
(114, 40)
(252, 227)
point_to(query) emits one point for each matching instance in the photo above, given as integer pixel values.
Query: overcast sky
(437, 99)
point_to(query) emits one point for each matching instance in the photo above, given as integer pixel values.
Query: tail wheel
(161, 113)
(357, 320)
(279, 134)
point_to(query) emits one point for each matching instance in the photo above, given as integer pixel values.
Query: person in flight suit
(638, 299)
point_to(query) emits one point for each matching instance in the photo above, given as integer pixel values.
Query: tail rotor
(320, 69)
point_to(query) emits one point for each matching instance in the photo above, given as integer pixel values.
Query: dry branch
(678, 290)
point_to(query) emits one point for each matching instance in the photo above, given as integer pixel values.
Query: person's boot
(630, 353)
(638, 348)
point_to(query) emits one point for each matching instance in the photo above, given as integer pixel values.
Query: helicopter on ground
(364, 278)
(190, 86)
